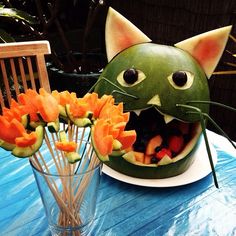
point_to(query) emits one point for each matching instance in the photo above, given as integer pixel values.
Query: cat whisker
(119, 90)
(212, 103)
(124, 93)
(216, 126)
(108, 81)
(202, 122)
(208, 117)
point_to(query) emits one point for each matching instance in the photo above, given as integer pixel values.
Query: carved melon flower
(36, 115)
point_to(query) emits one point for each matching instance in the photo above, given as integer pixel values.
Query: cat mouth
(160, 136)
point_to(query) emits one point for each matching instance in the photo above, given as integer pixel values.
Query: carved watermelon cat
(152, 79)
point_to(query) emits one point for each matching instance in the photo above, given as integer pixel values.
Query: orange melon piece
(139, 156)
(66, 146)
(17, 109)
(127, 138)
(147, 159)
(104, 135)
(12, 113)
(48, 107)
(119, 126)
(28, 99)
(9, 131)
(64, 97)
(96, 104)
(114, 113)
(56, 95)
(152, 144)
(129, 149)
(114, 131)
(91, 100)
(78, 109)
(101, 102)
(102, 139)
(26, 139)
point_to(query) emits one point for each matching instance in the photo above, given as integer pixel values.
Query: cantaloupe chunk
(152, 144)
(147, 159)
(127, 138)
(139, 156)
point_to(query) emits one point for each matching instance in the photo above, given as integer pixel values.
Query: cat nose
(155, 100)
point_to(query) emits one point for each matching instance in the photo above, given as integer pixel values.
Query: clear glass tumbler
(69, 199)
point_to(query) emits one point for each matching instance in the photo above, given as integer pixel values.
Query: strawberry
(163, 152)
(176, 143)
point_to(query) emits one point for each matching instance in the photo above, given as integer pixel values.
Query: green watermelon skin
(157, 62)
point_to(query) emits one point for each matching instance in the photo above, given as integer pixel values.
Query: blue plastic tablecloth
(124, 209)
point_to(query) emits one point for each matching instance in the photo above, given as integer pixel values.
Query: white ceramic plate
(198, 170)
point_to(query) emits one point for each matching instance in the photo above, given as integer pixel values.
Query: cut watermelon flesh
(120, 34)
(207, 48)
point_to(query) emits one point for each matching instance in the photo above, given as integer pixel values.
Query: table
(124, 209)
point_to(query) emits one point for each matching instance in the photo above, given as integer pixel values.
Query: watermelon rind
(29, 151)
(167, 167)
(215, 39)
(7, 146)
(118, 38)
(152, 171)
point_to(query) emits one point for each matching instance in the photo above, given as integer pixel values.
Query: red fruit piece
(176, 143)
(184, 127)
(163, 152)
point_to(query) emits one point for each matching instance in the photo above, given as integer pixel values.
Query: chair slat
(31, 73)
(22, 65)
(14, 75)
(42, 72)
(1, 100)
(5, 81)
(22, 73)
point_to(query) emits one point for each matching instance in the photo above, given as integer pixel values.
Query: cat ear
(120, 34)
(207, 48)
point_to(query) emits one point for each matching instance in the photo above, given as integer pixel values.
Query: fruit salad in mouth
(158, 142)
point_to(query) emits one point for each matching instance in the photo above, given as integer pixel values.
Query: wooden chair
(22, 66)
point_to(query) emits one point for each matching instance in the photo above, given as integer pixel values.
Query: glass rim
(98, 165)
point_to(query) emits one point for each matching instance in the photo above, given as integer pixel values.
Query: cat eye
(181, 79)
(130, 77)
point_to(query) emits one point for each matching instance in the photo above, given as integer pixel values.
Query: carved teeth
(137, 112)
(168, 118)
